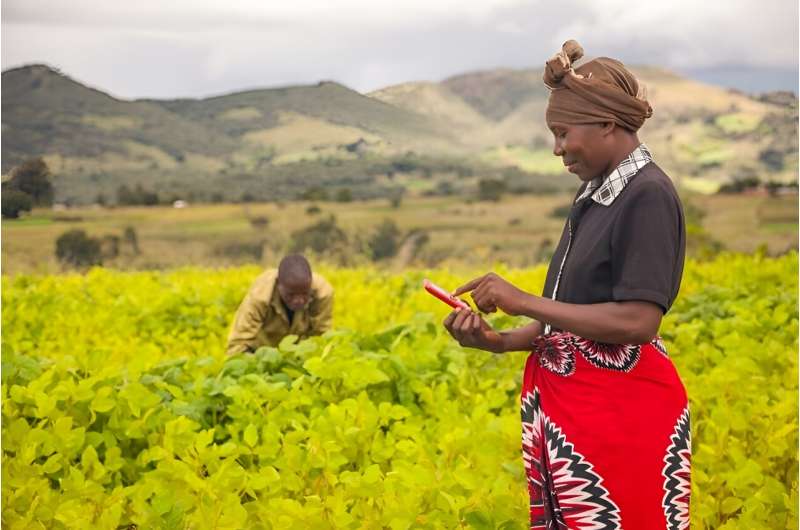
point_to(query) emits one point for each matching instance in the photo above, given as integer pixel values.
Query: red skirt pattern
(605, 436)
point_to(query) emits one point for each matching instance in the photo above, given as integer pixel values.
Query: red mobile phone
(444, 296)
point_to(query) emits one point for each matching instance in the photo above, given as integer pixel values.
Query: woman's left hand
(490, 292)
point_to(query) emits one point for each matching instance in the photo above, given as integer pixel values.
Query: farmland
(121, 410)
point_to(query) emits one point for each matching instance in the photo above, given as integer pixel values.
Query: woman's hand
(491, 292)
(470, 330)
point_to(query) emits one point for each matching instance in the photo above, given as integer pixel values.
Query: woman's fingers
(448, 321)
(476, 324)
(482, 295)
(458, 321)
(468, 286)
(465, 325)
(484, 302)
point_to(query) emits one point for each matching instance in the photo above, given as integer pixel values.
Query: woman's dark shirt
(632, 249)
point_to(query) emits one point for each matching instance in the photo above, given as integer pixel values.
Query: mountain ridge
(261, 137)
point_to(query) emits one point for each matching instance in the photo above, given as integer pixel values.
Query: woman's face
(583, 148)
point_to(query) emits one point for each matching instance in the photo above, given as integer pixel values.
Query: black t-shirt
(632, 249)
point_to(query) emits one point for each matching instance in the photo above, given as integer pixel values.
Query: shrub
(491, 189)
(15, 202)
(320, 237)
(344, 195)
(383, 243)
(77, 249)
(130, 238)
(259, 222)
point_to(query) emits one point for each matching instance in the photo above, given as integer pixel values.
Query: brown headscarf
(598, 91)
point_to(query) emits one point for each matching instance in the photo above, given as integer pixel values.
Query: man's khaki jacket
(262, 320)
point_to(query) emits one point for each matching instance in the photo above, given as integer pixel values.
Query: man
(289, 301)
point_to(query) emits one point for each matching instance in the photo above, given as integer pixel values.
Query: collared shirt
(605, 191)
(627, 243)
(262, 319)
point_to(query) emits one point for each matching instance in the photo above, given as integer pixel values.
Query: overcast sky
(195, 48)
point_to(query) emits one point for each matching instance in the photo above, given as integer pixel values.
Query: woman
(606, 439)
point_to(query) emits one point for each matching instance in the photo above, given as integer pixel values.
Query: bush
(561, 212)
(396, 197)
(137, 196)
(772, 158)
(315, 193)
(15, 202)
(129, 238)
(320, 237)
(344, 195)
(384, 242)
(693, 213)
(739, 185)
(240, 250)
(259, 222)
(77, 249)
(109, 246)
(491, 189)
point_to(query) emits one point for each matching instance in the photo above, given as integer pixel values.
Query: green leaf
(251, 435)
(102, 401)
(730, 505)
(478, 520)
(288, 343)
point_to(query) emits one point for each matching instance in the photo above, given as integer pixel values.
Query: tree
(14, 202)
(136, 196)
(78, 249)
(33, 177)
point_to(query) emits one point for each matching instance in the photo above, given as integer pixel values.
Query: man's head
(294, 281)
(593, 112)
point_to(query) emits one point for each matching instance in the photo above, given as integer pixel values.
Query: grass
(539, 161)
(700, 185)
(514, 230)
(30, 221)
(738, 122)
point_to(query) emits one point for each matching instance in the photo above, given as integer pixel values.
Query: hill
(280, 142)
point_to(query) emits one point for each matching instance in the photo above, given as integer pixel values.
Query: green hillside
(279, 143)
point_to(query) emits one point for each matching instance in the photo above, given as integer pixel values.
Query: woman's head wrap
(598, 91)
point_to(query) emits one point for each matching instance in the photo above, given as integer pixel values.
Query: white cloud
(201, 47)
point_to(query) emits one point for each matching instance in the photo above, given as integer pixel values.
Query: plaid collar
(605, 191)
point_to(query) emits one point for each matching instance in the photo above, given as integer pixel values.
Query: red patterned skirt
(605, 436)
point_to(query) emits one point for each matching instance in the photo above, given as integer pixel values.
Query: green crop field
(120, 410)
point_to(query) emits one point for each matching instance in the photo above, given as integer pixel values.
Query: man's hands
(470, 330)
(490, 292)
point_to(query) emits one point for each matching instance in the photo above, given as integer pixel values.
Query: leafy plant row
(120, 410)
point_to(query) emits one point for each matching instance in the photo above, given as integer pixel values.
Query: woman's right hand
(471, 331)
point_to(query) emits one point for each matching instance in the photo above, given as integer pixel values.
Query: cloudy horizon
(206, 48)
